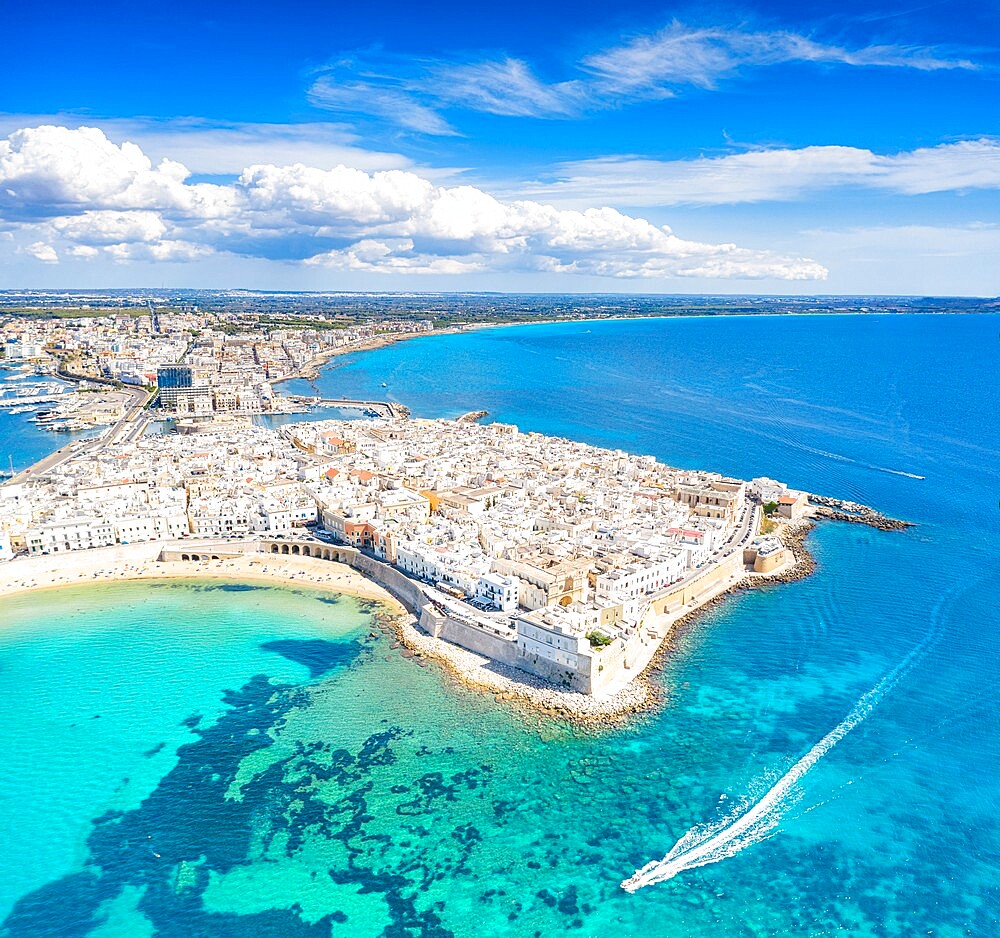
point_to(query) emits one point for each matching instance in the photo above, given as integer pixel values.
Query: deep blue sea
(192, 760)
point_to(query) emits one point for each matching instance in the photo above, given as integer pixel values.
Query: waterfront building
(716, 498)
(498, 592)
(23, 348)
(181, 391)
(79, 533)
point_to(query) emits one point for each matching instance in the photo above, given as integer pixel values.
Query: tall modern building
(174, 376)
(181, 390)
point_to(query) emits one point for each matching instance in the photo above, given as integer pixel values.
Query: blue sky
(629, 147)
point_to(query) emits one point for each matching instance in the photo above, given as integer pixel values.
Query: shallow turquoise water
(332, 786)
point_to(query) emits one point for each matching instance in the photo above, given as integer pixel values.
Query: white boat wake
(839, 457)
(754, 821)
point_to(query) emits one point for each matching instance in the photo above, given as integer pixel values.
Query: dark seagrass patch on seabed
(191, 830)
(317, 655)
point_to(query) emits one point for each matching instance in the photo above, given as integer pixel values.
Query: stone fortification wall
(408, 592)
(578, 679)
(676, 599)
(434, 622)
(591, 673)
(397, 583)
(478, 640)
(611, 661)
(205, 550)
(772, 561)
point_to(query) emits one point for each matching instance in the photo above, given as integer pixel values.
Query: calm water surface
(206, 760)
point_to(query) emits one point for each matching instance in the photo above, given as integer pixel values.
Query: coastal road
(743, 532)
(744, 527)
(44, 465)
(132, 418)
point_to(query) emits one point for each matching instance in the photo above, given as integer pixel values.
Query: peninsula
(563, 563)
(545, 570)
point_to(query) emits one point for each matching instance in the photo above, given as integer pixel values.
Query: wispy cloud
(411, 94)
(384, 97)
(506, 87)
(414, 93)
(923, 257)
(770, 175)
(679, 55)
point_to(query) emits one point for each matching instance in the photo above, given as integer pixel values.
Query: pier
(371, 408)
(28, 401)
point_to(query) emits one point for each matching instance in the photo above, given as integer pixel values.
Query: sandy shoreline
(311, 369)
(138, 562)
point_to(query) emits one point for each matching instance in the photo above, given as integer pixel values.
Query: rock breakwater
(472, 416)
(838, 509)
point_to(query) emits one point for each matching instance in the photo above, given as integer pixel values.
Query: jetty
(839, 509)
(369, 408)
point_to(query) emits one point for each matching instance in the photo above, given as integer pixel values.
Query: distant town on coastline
(249, 309)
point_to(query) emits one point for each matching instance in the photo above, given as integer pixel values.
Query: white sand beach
(139, 562)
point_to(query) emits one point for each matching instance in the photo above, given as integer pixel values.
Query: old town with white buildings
(547, 554)
(558, 558)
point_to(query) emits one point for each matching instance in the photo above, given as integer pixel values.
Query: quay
(12, 402)
(373, 408)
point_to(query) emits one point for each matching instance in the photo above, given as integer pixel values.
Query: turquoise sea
(218, 760)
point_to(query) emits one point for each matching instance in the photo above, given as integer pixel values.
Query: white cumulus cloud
(96, 198)
(52, 171)
(106, 227)
(43, 252)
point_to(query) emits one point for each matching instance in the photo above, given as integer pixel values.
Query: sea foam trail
(857, 462)
(710, 843)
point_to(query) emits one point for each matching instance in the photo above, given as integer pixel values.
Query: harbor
(391, 409)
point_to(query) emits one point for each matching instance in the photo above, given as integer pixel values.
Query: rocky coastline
(838, 509)
(472, 416)
(535, 698)
(539, 701)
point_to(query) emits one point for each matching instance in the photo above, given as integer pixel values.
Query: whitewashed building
(499, 592)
